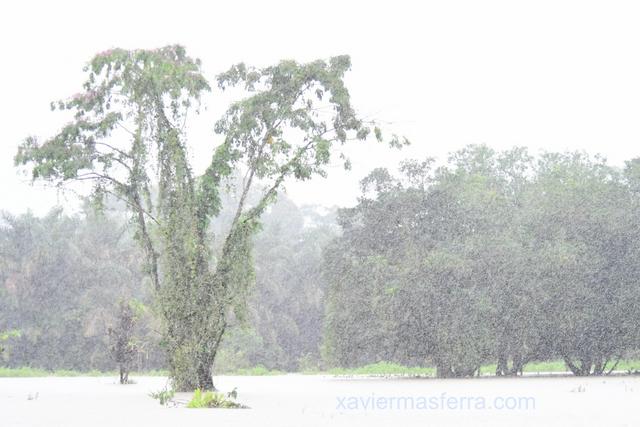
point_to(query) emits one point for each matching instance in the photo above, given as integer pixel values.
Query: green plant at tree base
(212, 399)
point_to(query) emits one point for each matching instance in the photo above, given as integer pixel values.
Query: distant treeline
(63, 279)
(490, 258)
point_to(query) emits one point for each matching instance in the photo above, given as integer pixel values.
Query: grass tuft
(384, 368)
(28, 372)
(212, 399)
(256, 371)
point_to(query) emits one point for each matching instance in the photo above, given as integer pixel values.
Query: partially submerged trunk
(504, 368)
(191, 363)
(446, 370)
(123, 348)
(590, 365)
(124, 375)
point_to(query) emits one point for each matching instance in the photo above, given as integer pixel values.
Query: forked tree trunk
(196, 371)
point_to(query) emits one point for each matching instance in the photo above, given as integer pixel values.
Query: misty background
(504, 241)
(552, 76)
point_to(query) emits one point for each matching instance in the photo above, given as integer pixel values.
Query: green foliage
(212, 399)
(491, 257)
(281, 330)
(4, 336)
(384, 368)
(256, 371)
(63, 277)
(375, 369)
(38, 372)
(164, 396)
(285, 311)
(24, 372)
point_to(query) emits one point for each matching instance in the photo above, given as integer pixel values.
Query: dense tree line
(63, 278)
(283, 328)
(75, 288)
(490, 258)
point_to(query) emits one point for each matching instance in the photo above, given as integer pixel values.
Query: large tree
(128, 137)
(583, 220)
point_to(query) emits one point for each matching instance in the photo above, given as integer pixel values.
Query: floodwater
(314, 400)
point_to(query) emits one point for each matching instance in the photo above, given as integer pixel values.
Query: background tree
(490, 257)
(122, 341)
(585, 228)
(283, 326)
(281, 330)
(5, 336)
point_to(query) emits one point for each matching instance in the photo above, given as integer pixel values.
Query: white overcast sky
(551, 75)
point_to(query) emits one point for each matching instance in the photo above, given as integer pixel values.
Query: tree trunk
(518, 365)
(124, 375)
(581, 370)
(502, 366)
(192, 365)
(204, 376)
(443, 371)
(192, 373)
